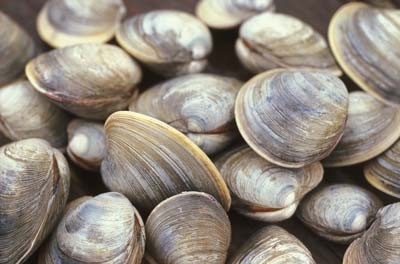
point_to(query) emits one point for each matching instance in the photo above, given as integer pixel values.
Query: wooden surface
(223, 61)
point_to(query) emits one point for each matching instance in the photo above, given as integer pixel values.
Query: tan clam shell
(381, 242)
(262, 190)
(170, 42)
(101, 229)
(191, 227)
(89, 80)
(16, 49)
(149, 161)
(272, 245)
(86, 143)
(292, 118)
(24, 113)
(364, 41)
(64, 23)
(34, 184)
(225, 14)
(367, 134)
(199, 105)
(339, 212)
(269, 41)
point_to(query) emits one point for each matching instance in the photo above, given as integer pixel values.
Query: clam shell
(89, 80)
(225, 14)
(269, 41)
(24, 113)
(364, 41)
(170, 42)
(34, 184)
(292, 118)
(200, 105)
(339, 212)
(262, 190)
(101, 229)
(272, 245)
(64, 23)
(367, 134)
(149, 161)
(191, 227)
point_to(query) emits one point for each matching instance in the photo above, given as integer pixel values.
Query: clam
(149, 161)
(268, 41)
(101, 229)
(364, 41)
(200, 105)
(89, 80)
(34, 184)
(339, 212)
(262, 190)
(169, 42)
(24, 113)
(272, 245)
(68, 22)
(367, 134)
(381, 242)
(86, 143)
(191, 227)
(292, 118)
(16, 49)
(225, 14)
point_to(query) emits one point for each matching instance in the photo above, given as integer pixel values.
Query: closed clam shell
(364, 41)
(101, 229)
(16, 49)
(170, 42)
(34, 184)
(67, 22)
(367, 134)
(191, 227)
(272, 245)
(292, 118)
(149, 161)
(262, 190)
(89, 80)
(86, 143)
(25, 113)
(268, 41)
(339, 212)
(200, 105)
(225, 14)
(381, 242)
(383, 172)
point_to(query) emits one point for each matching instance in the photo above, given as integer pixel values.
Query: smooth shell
(149, 161)
(367, 134)
(381, 242)
(270, 41)
(24, 113)
(383, 172)
(262, 190)
(170, 42)
(188, 228)
(364, 41)
(34, 184)
(87, 143)
(200, 105)
(16, 49)
(101, 229)
(225, 14)
(292, 117)
(339, 212)
(64, 23)
(272, 245)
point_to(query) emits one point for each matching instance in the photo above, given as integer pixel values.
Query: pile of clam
(176, 157)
